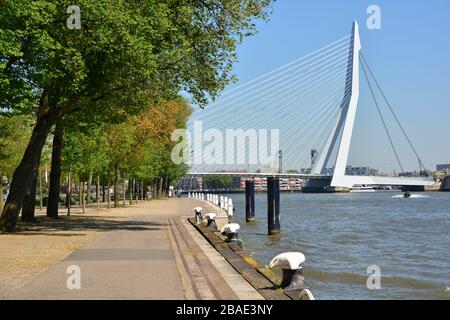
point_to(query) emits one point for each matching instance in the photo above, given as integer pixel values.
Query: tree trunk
(29, 202)
(97, 193)
(137, 187)
(69, 192)
(154, 188)
(157, 188)
(103, 194)
(168, 187)
(21, 183)
(80, 194)
(109, 188)
(55, 173)
(130, 190)
(136, 191)
(1, 193)
(116, 189)
(40, 191)
(145, 186)
(89, 187)
(123, 192)
(83, 197)
(164, 187)
(133, 190)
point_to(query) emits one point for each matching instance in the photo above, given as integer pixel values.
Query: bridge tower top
(348, 111)
(343, 127)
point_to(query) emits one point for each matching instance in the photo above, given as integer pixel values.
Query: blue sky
(410, 56)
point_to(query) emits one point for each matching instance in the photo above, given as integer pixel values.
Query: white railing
(224, 204)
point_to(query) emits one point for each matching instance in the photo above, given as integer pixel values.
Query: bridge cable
(269, 97)
(287, 65)
(326, 64)
(324, 126)
(382, 118)
(421, 164)
(304, 127)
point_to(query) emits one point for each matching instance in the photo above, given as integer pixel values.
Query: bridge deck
(350, 180)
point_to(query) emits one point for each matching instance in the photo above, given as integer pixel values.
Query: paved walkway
(158, 255)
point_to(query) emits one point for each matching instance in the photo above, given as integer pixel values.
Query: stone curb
(264, 280)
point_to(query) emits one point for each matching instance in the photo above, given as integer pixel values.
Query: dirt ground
(38, 245)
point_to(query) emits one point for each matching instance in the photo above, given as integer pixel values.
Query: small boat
(407, 195)
(362, 189)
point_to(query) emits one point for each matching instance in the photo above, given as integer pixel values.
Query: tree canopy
(123, 47)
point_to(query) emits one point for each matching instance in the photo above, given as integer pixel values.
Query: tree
(123, 48)
(119, 141)
(218, 182)
(83, 151)
(14, 134)
(55, 172)
(149, 156)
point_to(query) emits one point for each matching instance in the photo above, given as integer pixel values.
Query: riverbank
(264, 280)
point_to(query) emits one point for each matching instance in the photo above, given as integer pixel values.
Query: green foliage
(139, 146)
(218, 182)
(14, 135)
(84, 152)
(123, 48)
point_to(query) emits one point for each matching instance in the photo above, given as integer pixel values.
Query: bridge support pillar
(322, 186)
(273, 205)
(250, 201)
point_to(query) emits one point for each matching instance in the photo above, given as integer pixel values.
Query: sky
(410, 56)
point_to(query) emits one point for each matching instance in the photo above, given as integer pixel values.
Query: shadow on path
(76, 224)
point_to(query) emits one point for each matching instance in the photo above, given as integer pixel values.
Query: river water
(342, 235)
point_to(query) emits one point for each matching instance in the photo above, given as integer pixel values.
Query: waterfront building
(443, 168)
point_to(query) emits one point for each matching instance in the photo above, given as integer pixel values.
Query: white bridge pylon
(343, 128)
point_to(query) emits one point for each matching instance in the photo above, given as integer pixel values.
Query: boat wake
(411, 197)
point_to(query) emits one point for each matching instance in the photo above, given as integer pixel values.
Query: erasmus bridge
(316, 99)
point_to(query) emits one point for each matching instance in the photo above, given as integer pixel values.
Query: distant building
(286, 184)
(414, 174)
(443, 167)
(191, 183)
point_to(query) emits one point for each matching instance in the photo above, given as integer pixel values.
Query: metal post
(273, 205)
(250, 201)
(280, 161)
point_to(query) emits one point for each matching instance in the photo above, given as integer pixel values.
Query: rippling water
(342, 234)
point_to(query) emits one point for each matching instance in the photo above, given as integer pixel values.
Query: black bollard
(273, 205)
(250, 201)
(211, 223)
